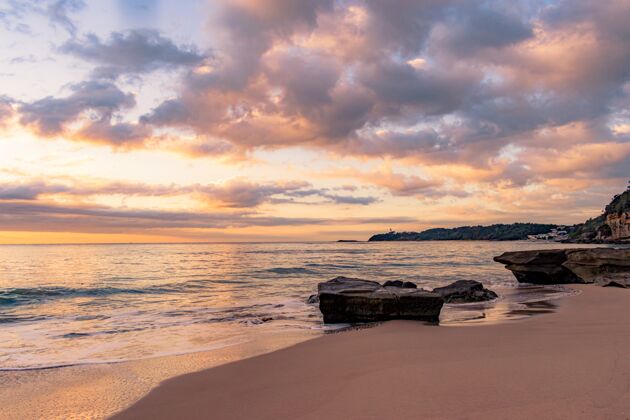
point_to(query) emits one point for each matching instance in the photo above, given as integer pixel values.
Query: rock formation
(463, 291)
(619, 224)
(613, 225)
(603, 266)
(350, 300)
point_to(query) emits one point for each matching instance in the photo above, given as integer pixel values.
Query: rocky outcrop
(612, 226)
(350, 300)
(603, 266)
(539, 266)
(464, 291)
(619, 224)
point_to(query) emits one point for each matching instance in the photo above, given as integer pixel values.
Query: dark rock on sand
(603, 266)
(312, 299)
(463, 291)
(352, 300)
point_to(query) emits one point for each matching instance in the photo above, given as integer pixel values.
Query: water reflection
(513, 303)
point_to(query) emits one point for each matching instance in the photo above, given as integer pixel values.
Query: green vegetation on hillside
(499, 232)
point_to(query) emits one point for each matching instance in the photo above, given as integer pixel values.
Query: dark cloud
(49, 116)
(403, 26)
(331, 196)
(427, 91)
(133, 52)
(27, 191)
(470, 28)
(237, 193)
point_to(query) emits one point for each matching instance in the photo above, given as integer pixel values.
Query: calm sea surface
(74, 304)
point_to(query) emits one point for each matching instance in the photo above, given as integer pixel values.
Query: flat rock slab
(349, 300)
(603, 266)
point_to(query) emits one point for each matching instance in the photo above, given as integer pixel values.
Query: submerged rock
(350, 300)
(463, 291)
(603, 266)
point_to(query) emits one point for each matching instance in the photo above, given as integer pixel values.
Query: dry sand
(571, 364)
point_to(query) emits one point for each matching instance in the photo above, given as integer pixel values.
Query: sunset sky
(243, 120)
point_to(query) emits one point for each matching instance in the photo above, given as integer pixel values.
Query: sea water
(77, 304)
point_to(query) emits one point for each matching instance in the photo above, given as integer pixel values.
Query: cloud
(50, 115)
(470, 28)
(494, 90)
(116, 134)
(45, 217)
(7, 110)
(490, 78)
(59, 10)
(236, 193)
(135, 52)
(402, 185)
(27, 191)
(87, 114)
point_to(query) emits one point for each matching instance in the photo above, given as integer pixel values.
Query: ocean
(64, 305)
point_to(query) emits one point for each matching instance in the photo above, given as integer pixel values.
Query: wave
(33, 295)
(289, 270)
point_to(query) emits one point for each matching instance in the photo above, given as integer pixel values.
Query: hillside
(498, 232)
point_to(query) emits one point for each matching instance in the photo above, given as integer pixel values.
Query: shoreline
(102, 389)
(108, 387)
(566, 364)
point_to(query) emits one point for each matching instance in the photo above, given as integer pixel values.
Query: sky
(291, 120)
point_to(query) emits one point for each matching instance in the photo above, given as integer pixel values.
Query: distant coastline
(612, 226)
(497, 232)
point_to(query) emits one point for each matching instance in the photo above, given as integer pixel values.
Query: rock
(604, 266)
(398, 283)
(619, 224)
(393, 283)
(463, 291)
(539, 267)
(312, 299)
(345, 283)
(349, 300)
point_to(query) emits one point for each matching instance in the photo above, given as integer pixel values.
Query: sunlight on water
(72, 304)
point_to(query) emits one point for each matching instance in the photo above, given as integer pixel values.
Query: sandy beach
(569, 364)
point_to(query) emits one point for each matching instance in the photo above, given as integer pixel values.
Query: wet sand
(573, 363)
(96, 391)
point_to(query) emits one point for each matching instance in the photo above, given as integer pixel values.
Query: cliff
(613, 225)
